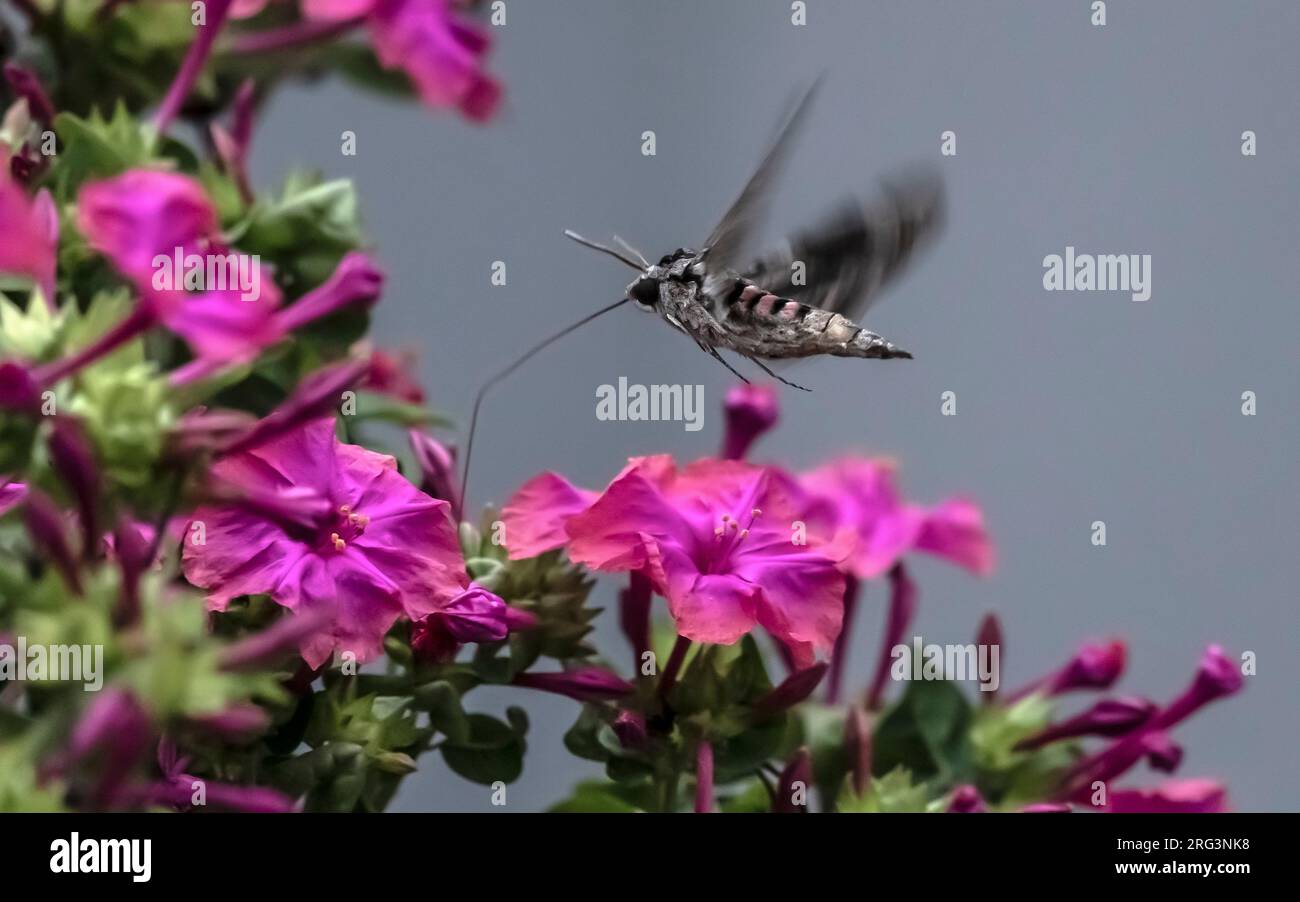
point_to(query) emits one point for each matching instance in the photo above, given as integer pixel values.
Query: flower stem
(668, 679)
(704, 777)
(841, 651)
(192, 65)
(138, 320)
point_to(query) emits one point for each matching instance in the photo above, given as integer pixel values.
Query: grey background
(1072, 407)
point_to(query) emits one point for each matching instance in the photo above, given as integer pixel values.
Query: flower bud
(475, 615)
(966, 800)
(751, 410)
(1109, 717)
(45, 526)
(356, 280)
(268, 647)
(794, 785)
(1094, 666)
(437, 465)
(584, 684)
(902, 609)
(630, 727)
(794, 689)
(318, 395)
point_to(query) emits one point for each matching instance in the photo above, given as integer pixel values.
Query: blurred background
(1072, 407)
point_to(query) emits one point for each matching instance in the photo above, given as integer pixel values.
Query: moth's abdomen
(778, 327)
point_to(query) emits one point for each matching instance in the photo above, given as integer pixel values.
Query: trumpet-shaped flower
(382, 549)
(719, 540)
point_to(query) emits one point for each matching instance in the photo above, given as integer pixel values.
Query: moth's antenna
(628, 261)
(645, 264)
(527, 355)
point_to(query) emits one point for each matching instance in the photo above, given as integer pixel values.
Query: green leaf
(493, 751)
(927, 731)
(596, 797)
(446, 715)
(97, 148)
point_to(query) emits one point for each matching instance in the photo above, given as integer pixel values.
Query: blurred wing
(858, 250)
(727, 239)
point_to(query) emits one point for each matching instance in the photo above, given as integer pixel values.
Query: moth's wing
(858, 250)
(727, 240)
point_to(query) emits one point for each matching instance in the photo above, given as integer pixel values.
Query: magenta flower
(718, 540)
(142, 216)
(859, 494)
(384, 549)
(30, 234)
(442, 53)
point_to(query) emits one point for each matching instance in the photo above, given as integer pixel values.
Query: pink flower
(1193, 796)
(141, 215)
(536, 515)
(30, 234)
(859, 494)
(384, 550)
(718, 540)
(440, 52)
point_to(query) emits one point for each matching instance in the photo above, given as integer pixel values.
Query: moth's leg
(763, 367)
(713, 352)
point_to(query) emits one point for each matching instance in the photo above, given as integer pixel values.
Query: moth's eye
(645, 292)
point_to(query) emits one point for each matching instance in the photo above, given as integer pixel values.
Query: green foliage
(927, 731)
(893, 793)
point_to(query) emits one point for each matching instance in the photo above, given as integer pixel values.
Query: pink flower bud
(794, 689)
(794, 785)
(966, 800)
(751, 410)
(1109, 717)
(271, 645)
(584, 684)
(318, 395)
(74, 461)
(437, 465)
(630, 727)
(475, 615)
(356, 280)
(45, 526)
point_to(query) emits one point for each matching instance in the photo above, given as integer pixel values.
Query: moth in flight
(802, 299)
(799, 301)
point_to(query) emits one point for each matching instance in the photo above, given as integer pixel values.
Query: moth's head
(644, 292)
